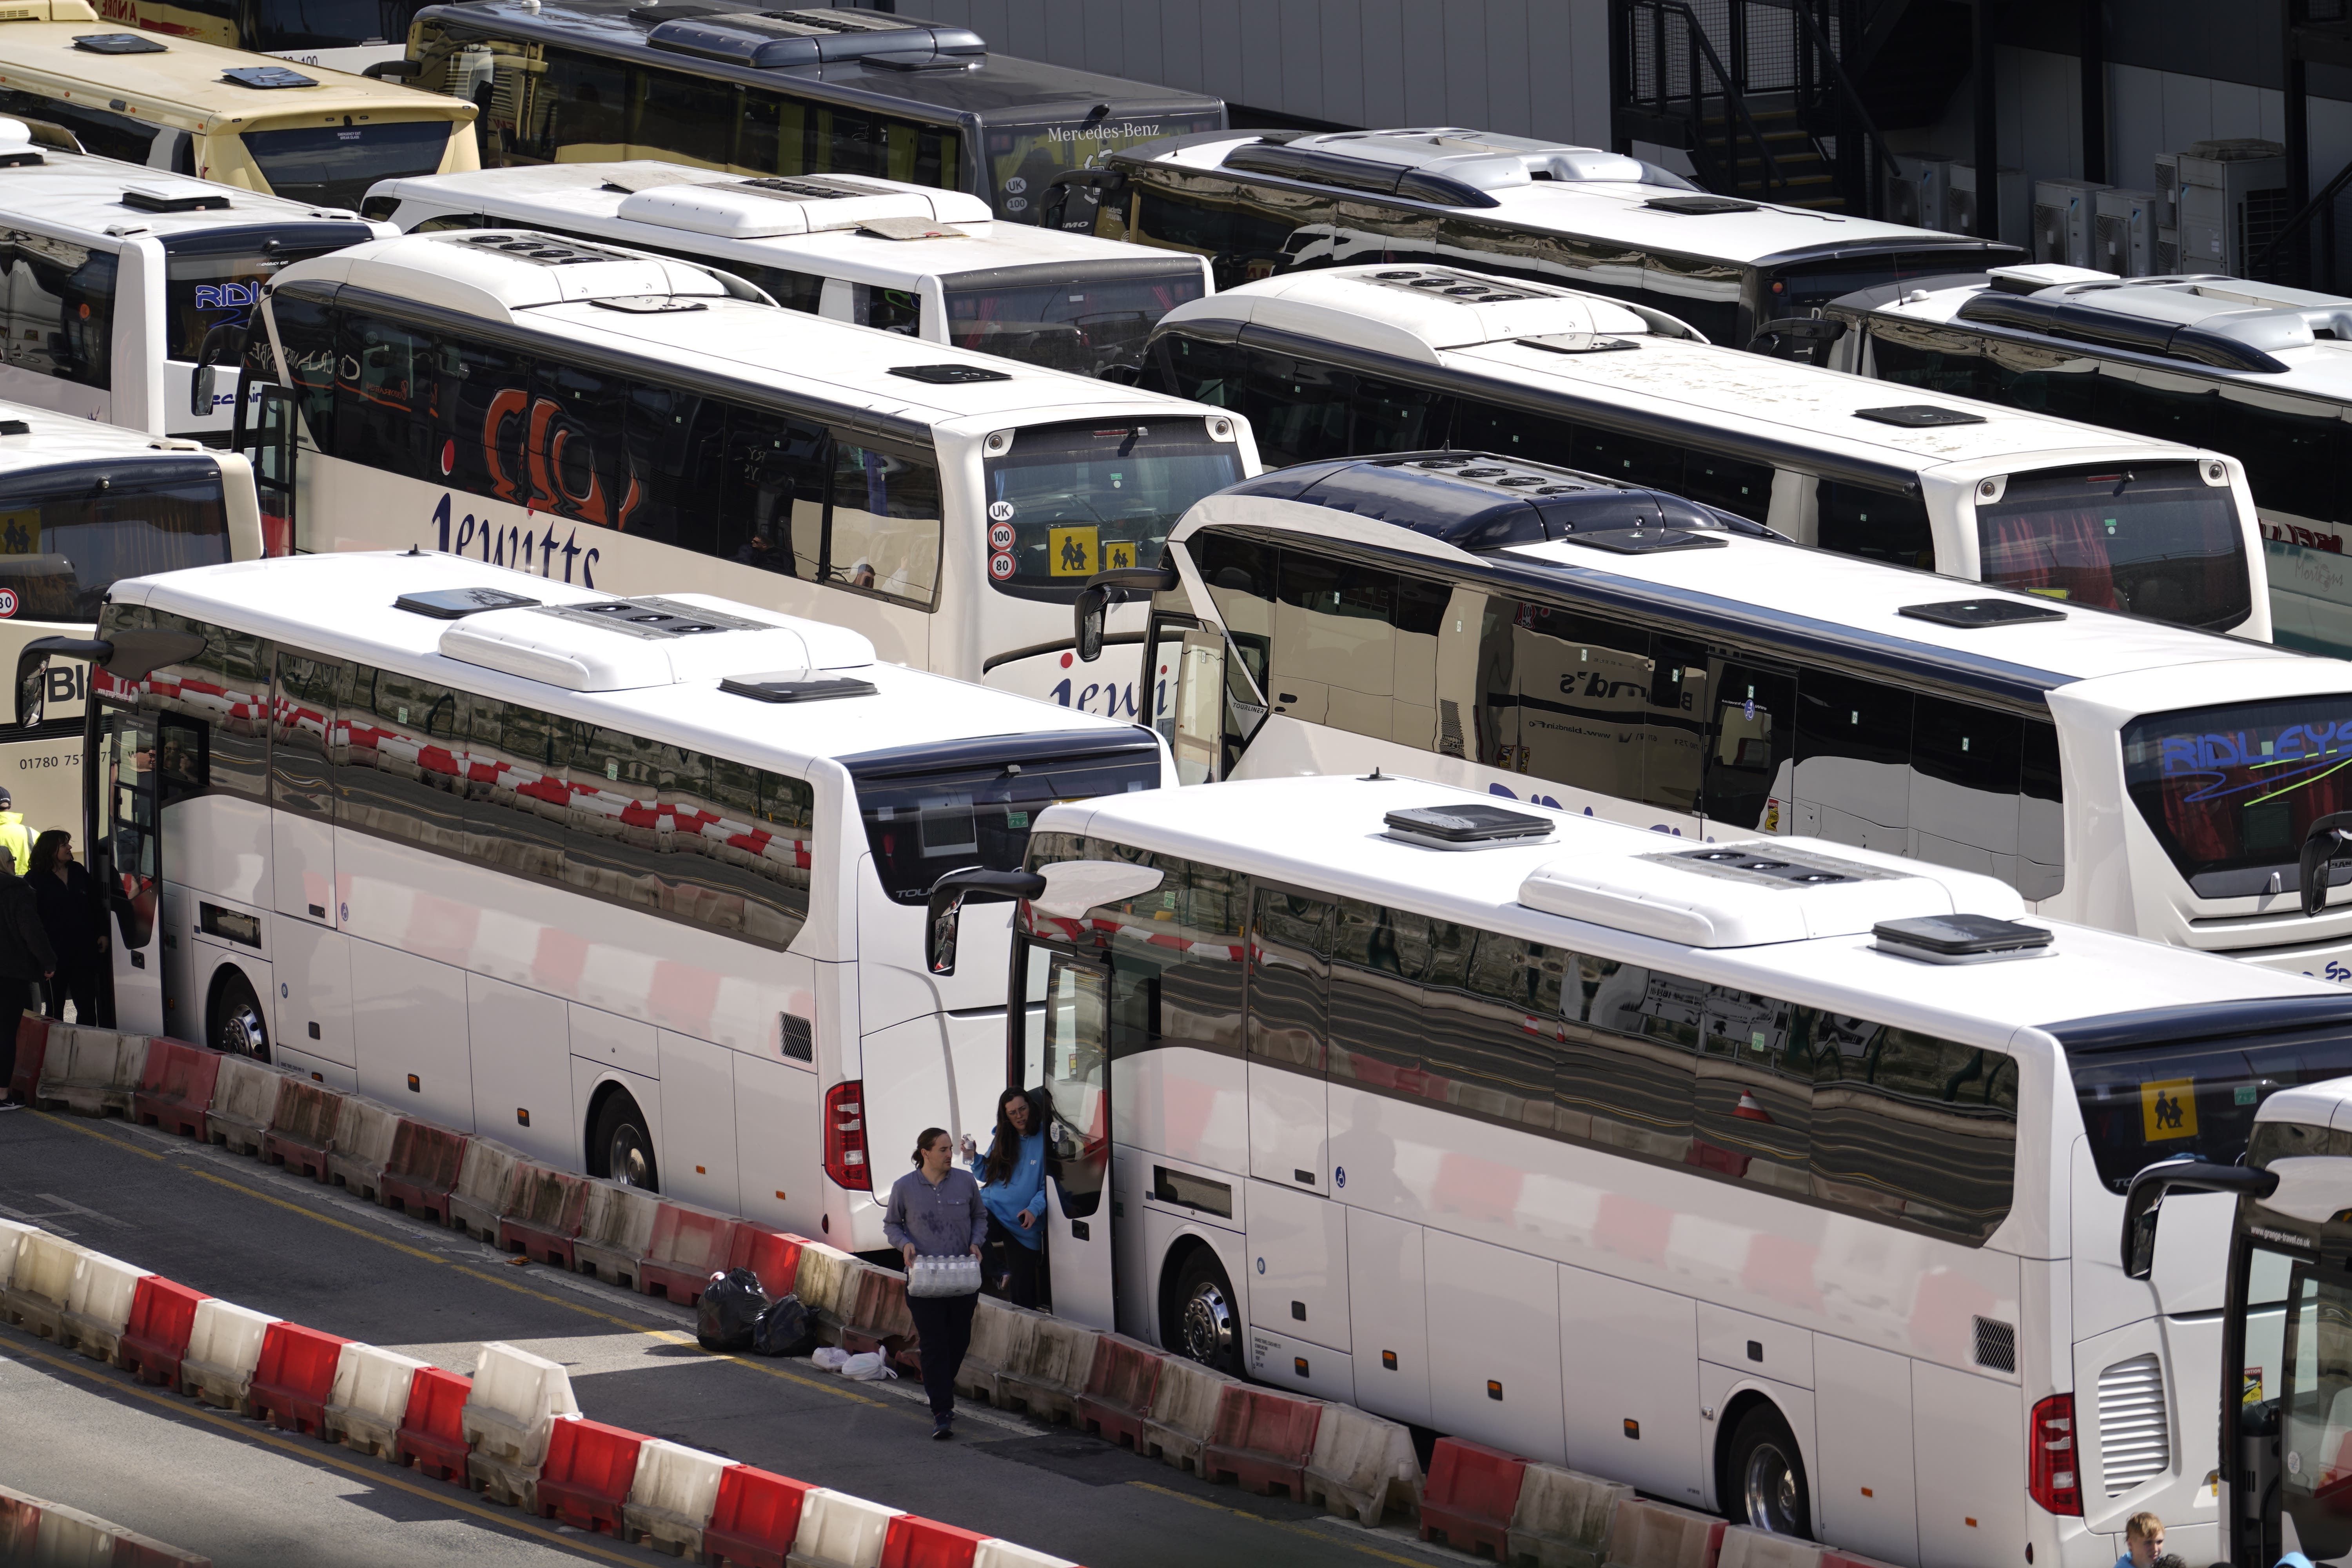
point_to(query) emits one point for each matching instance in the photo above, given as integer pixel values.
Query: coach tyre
(1207, 1327)
(237, 1023)
(621, 1147)
(1768, 1487)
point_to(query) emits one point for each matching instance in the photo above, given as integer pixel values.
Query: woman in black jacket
(68, 914)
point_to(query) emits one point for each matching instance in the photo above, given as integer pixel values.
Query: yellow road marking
(833, 1386)
(1293, 1526)
(320, 1452)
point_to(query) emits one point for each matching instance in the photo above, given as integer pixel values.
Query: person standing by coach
(25, 957)
(935, 1211)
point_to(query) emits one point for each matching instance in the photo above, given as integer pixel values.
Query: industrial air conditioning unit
(2232, 203)
(1917, 191)
(2123, 232)
(1960, 201)
(2166, 257)
(2063, 211)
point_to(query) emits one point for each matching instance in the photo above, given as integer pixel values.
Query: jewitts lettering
(515, 546)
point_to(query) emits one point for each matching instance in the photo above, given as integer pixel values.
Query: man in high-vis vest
(14, 836)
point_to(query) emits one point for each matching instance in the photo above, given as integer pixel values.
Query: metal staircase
(1786, 100)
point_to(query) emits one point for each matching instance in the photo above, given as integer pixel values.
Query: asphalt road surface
(91, 1437)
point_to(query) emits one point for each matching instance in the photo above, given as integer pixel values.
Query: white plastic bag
(828, 1358)
(868, 1367)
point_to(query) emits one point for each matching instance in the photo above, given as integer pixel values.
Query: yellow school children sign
(2168, 1110)
(1081, 552)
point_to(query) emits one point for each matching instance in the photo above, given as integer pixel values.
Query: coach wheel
(238, 1026)
(1768, 1476)
(1207, 1328)
(622, 1145)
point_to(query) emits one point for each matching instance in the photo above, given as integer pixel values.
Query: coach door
(1078, 1000)
(126, 855)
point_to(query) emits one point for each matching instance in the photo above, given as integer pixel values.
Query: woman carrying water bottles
(935, 1213)
(1012, 1184)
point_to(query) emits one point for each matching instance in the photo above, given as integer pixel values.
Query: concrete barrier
(1263, 1439)
(1743, 1546)
(244, 1101)
(175, 1087)
(35, 1530)
(755, 1520)
(98, 1304)
(1645, 1534)
(1471, 1494)
(838, 1531)
(40, 1282)
(774, 1255)
(914, 1542)
(422, 1169)
(1563, 1518)
(1005, 1554)
(688, 1246)
(819, 1280)
(1363, 1465)
(11, 1235)
(480, 1192)
(432, 1428)
(1182, 1409)
(1002, 1336)
(613, 1230)
(672, 1499)
(542, 1212)
(370, 1399)
(513, 1407)
(156, 1339)
(584, 1480)
(871, 1309)
(302, 1128)
(362, 1143)
(294, 1380)
(1117, 1395)
(89, 1071)
(224, 1347)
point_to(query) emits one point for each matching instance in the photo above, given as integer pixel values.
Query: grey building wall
(1527, 68)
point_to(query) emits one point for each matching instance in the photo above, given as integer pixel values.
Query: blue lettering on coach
(515, 547)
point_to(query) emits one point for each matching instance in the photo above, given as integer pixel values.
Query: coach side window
(2041, 815)
(517, 799)
(1877, 525)
(1195, 368)
(59, 308)
(481, 414)
(213, 712)
(581, 102)
(1289, 958)
(303, 734)
(1908, 1125)
(577, 461)
(401, 773)
(305, 337)
(1753, 1095)
(1852, 777)
(678, 455)
(383, 384)
(882, 523)
(1753, 737)
(687, 116)
(1630, 1040)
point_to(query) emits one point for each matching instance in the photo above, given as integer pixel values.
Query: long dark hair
(1006, 1151)
(46, 850)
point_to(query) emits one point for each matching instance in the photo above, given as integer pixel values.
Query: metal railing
(1672, 72)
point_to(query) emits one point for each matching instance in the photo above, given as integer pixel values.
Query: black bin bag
(786, 1328)
(729, 1312)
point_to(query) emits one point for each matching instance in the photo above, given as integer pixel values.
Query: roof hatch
(809, 204)
(777, 40)
(1744, 895)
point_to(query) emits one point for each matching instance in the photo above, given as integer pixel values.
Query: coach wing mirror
(1781, 339)
(2145, 1200)
(1074, 887)
(947, 900)
(2326, 839)
(224, 343)
(33, 671)
(1106, 186)
(1104, 589)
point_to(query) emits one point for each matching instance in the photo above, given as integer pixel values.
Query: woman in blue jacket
(1013, 1185)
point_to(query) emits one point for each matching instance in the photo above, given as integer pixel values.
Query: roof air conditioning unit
(2063, 211)
(2122, 237)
